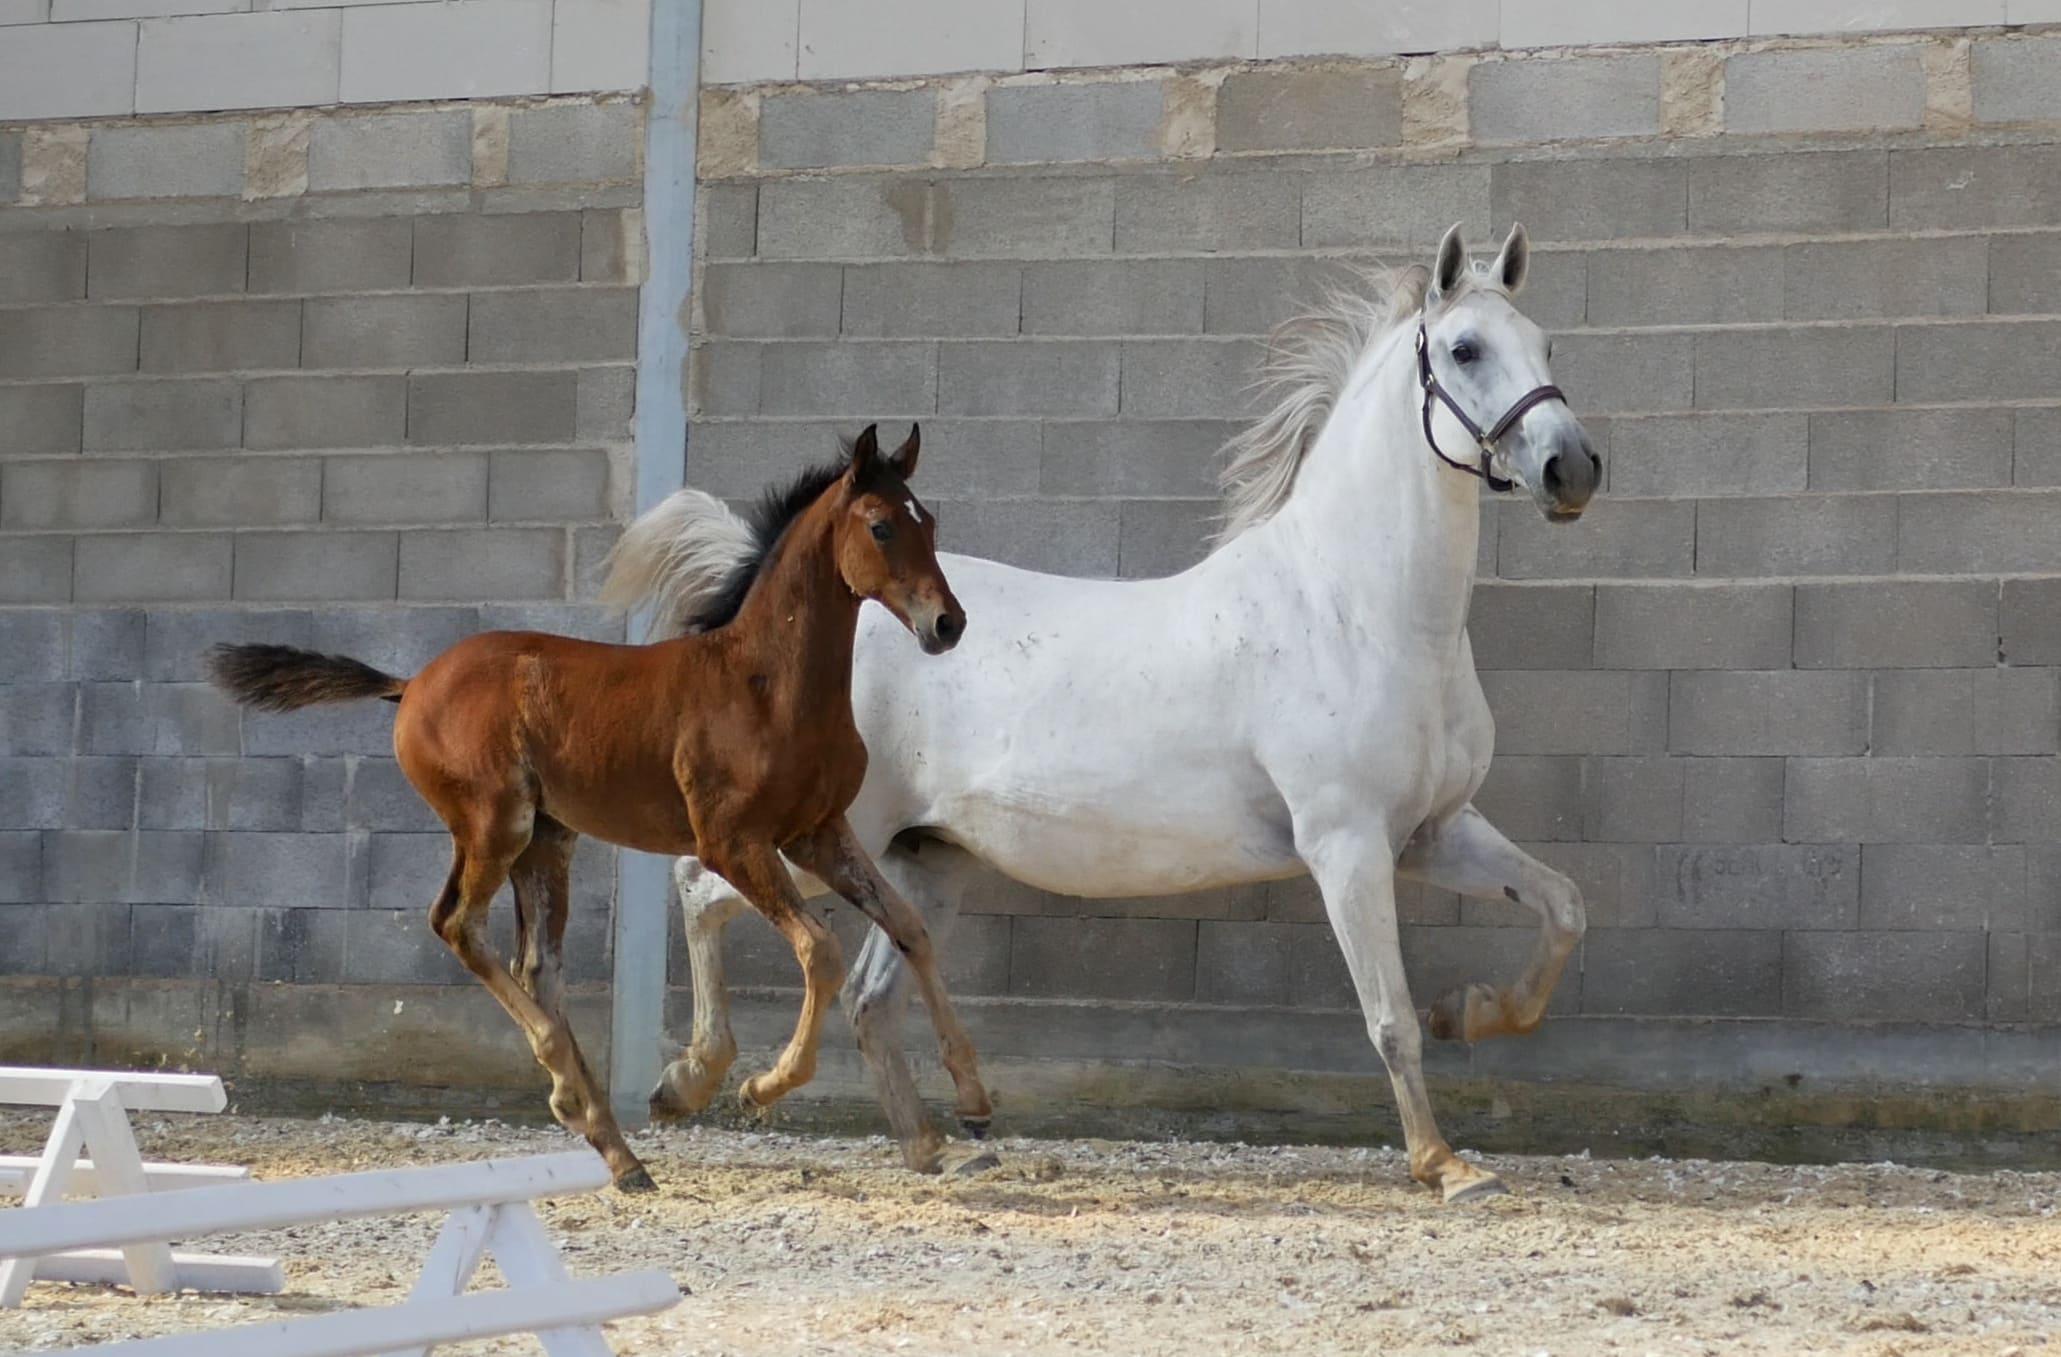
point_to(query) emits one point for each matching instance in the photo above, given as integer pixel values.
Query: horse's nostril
(1552, 473)
(1596, 465)
(949, 627)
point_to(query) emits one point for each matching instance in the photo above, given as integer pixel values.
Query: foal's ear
(1513, 265)
(904, 459)
(865, 452)
(1449, 268)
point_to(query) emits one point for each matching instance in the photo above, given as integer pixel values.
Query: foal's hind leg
(1466, 853)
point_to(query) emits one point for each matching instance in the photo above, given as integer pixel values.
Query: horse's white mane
(1309, 360)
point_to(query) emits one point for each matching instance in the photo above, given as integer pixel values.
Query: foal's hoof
(976, 1128)
(977, 1163)
(1479, 1185)
(634, 1180)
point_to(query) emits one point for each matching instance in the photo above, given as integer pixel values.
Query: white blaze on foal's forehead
(914, 512)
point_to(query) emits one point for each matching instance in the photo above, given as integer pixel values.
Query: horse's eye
(883, 530)
(1464, 352)
(1549, 348)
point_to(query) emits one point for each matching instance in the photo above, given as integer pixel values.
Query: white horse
(1302, 700)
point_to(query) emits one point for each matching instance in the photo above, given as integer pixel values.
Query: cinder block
(1017, 218)
(71, 341)
(574, 143)
(1132, 457)
(776, 301)
(88, 940)
(32, 648)
(96, 494)
(926, 37)
(163, 261)
(41, 266)
(1651, 539)
(176, 640)
(39, 717)
(389, 490)
(111, 719)
(1103, 958)
(384, 332)
(1904, 977)
(262, 59)
(562, 619)
(1384, 207)
(548, 487)
(1886, 800)
(1544, 711)
(1580, 200)
(230, 492)
(1808, 535)
(1629, 373)
(164, 941)
(1709, 454)
(1249, 296)
(188, 718)
(21, 869)
(397, 640)
(358, 728)
(1896, 450)
(2025, 800)
(591, 547)
(1565, 99)
(1127, 297)
(961, 457)
(195, 160)
(605, 403)
(33, 793)
(69, 70)
(1310, 110)
(379, 796)
(1089, 121)
(340, 255)
(1967, 711)
(2030, 621)
(812, 128)
(1757, 886)
(1189, 378)
(1974, 187)
(2043, 887)
(1064, 536)
(106, 643)
(844, 218)
(406, 871)
(1758, 368)
(10, 155)
(729, 226)
(299, 947)
(1909, 624)
(326, 412)
(1686, 286)
(1057, 377)
(491, 407)
(1633, 800)
(1733, 626)
(830, 379)
(151, 567)
(1682, 973)
(1825, 89)
(1532, 626)
(500, 250)
(35, 570)
(1788, 191)
(725, 379)
(41, 419)
(1241, 961)
(1161, 537)
(121, 866)
(399, 150)
(2015, 79)
(247, 869)
(924, 300)
(611, 242)
(1784, 712)
(2005, 360)
(314, 566)
(1943, 887)
(161, 416)
(221, 336)
(470, 49)
(1998, 531)
(483, 563)
(554, 325)
(1863, 280)
(1534, 799)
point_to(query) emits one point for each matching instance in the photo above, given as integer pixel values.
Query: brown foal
(735, 744)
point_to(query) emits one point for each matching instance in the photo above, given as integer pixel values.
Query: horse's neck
(799, 622)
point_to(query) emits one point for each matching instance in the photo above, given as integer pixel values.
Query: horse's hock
(358, 372)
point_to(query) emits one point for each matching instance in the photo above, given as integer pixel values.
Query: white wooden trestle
(93, 1109)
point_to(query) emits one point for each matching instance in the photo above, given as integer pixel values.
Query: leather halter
(1486, 441)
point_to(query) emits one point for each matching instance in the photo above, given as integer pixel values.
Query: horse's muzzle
(943, 632)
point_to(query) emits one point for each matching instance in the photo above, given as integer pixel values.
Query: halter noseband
(1486, 441)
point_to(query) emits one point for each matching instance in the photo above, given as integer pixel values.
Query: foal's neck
(799, 621)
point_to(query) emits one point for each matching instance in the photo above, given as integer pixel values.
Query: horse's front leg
(707, 904)
(1467, 854)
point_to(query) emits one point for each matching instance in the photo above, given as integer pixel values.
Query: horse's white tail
(677, 557)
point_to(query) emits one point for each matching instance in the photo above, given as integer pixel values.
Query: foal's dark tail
(281, 678)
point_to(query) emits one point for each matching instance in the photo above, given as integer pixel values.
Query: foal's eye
(883, 530)
(1465, 352)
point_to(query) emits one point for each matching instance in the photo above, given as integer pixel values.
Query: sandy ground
(790, 1245)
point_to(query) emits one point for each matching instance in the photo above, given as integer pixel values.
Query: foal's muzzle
(942, 632)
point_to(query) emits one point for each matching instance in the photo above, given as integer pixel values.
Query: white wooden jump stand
(93, 1109)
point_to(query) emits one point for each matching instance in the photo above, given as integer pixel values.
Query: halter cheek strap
(1486, 441)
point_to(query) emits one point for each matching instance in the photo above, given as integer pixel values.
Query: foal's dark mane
(769, 519)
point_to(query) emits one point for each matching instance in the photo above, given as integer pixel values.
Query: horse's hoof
(977, 1163)
(976, 1128)
(634, 1180)
(1478, 1186)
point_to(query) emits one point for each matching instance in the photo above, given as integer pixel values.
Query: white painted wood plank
(527, 1258)
(104, 1126)
(209, 1272)
(33, 1086)
(46, 1184)
(482, 1314)
(452, 1260)
(260, 1206)
(15, 1170)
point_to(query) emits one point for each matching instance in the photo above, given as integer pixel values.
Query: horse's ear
(865, 452)
(1513, 265)
(904, 459)
(1450, 266)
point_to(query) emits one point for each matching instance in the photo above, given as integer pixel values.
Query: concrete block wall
(360, 382)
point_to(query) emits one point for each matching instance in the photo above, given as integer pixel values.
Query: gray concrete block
(397, 948)
(605, 403)
(2015, 79)
(500, 250)
(1564, 99)
(1974, 187)
(1161, 537)
(1532, 626)
(68, 341)
(1901, 977)
(483, 563)
(591, 548)
(560, 619)
(1173, 457)
(1534, 799)
(1686, 286)
(35, 569)
(188, 718)
(2021, 274)
(1886, 800)
(1902, 624)
(1789, 191)
(10, 165)
(1387, 206)
(106, 643)
(163, 262)
(32, 647)
(1849, 88)
(407, 871)
(162, 941)
(1709, 454)
(87, 940)
(2043, 888)
(1971, 533)
(736, 460)
(1808, 535)
(1190, 378)
(491, 407)
(1987, 361)
(379, 796)
(326, 412)
(34, 792)
(1751, 369)
(399, 150)
(554, 325)
(919, 301)
(111, 719)
(1863, 280)
(21, 868)
(1668, 626)
(174, 793)
(397, 640)
(729, 226)
(1544, 711)
(307, 567)
(1240, 961)
(249, 869)
(78, 494)
(176, 640)
(1064, 536)
(1012, 219)
(811, 128)
(1682, 973)
(1756, 886)
(773, 301)
(389, 490)
(234, 492)
(121, 866)
(1633, 374)
(1967, 711)
(162, 416)
(1113, 297)
(221, 336)
(1048, 377)
(611, 246)
(884, 379)
(334, 255)
(2025, 800)
(1783, 712)
(1633, 800)
(1102, 120)
(384, 332)
(1251, 296)
(1894, 450)
(1944, 887)
(2030, 621)
(1580, 200)
(1732, 800)
(725, 379)
(548, 487)
(574, 143)
(1310, 110)
(299, 947)
(1103, 958)
(41, 419)
(1651, 539)
(178, 160)
(841, 218)
(362, 728)
(151, 567)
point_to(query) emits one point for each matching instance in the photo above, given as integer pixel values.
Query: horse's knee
(1397, 1042)
(823, 960)
(1565, 911)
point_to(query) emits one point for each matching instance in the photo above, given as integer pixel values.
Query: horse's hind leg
(1467, 854)
(707, 904)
